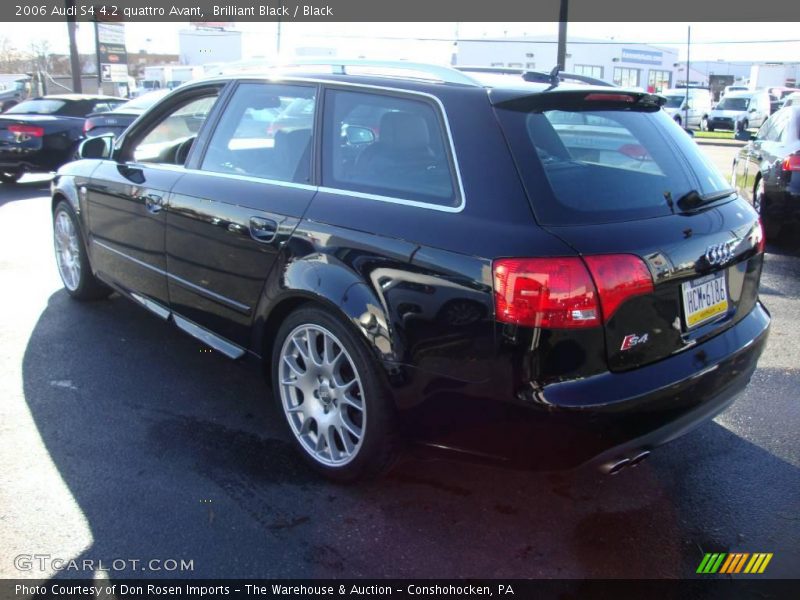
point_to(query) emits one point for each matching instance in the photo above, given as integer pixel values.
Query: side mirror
(752, 110)
(97, 147)
(359, 135)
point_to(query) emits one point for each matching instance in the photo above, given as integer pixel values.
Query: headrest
(404, 130)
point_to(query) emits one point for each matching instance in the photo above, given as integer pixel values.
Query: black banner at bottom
(205, 589)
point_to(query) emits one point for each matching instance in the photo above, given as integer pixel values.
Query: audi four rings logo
(720, 253)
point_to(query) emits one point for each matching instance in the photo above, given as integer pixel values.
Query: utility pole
(686, 100)
(561, 58)
(74, 59)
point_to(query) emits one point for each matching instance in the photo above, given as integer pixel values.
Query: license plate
(704, 298)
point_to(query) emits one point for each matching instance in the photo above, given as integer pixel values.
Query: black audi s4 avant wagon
(527, 268)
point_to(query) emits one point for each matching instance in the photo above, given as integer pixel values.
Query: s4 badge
(629, 341)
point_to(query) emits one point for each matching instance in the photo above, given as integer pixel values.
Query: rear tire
(10, 176)
(771, 229)
(72, 259)
(334, 397)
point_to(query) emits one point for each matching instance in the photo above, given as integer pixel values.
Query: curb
(718, 142)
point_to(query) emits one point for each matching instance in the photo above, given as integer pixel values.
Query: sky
(388, 40)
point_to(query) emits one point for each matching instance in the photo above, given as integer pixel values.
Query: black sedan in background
(41, 134)
(767, 170)
(117, 120)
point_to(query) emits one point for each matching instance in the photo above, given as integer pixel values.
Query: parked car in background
(41, 134)
(688, 107)
(734, 88)
(117, 120)
(740, 110)
(13, 89)
(792, 99)
(767, 170)
(540, 273)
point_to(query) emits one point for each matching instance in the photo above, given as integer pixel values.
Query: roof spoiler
(553, 77)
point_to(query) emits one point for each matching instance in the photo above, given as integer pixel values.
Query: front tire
(704, 124)
(333, 395)
(71, 257)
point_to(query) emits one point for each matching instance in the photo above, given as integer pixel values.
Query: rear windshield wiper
(693, 199)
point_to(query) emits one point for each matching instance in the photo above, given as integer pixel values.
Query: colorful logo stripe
(734, 563)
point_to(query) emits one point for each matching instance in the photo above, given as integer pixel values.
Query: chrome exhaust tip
(636, 460)
(616, 467)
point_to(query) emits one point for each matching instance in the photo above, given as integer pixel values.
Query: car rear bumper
(600, 419)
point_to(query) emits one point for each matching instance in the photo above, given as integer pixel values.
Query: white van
(750, 109)
(688, 113)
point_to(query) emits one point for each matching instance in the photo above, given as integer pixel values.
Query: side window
(765, 131)
(169, 140)
(388, 146)
(266, 131)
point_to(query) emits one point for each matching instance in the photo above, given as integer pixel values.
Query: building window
(658, 80)
(496, 64)
(515, 65)
(588, 70)
(530, 65)
(626, 77)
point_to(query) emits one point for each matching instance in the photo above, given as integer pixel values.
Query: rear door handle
(263, 230)
(154, 203)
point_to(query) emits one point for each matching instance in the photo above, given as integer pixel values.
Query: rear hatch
(610, 173)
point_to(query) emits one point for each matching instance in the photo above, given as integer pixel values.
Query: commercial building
(631, 65)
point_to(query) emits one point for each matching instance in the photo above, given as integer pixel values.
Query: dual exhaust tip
(616, 467)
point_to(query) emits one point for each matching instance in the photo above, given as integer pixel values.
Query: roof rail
(537, 76)
(439, 73)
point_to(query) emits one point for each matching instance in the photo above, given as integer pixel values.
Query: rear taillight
(567, 292)
(791, 163)
(619, 277)
(87, 125)
(555, 293)
(26, 130)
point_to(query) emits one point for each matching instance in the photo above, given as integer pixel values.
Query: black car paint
(58, 145)
(417, 283)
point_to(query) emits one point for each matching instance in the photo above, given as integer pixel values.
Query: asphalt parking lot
(122, 438)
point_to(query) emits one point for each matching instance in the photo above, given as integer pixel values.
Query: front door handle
(263, 230)
(154, 203)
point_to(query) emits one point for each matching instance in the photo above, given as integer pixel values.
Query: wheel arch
(333, 287)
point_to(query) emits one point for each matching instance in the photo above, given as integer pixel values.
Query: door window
(266, 131)
(171, 138)
(387, 146)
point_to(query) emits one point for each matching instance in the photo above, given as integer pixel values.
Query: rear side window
(266, 131)
(387, 146)
(598, 166)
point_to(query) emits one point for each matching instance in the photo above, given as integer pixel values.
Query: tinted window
(733, 104)
(388, 146)
(596, 166)
(37, 107)
(266, 131)
(171, 138)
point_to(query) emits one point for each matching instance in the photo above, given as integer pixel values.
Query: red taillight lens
(791, 163)
(619, 277)
(555, 293)
(595, 97)
(29, 130)
(87, 125)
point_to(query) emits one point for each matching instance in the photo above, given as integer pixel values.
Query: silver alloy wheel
(322, 395)
(68, 250)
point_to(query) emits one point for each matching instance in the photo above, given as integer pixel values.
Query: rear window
(37, 107)
(599, 166)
